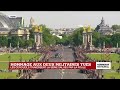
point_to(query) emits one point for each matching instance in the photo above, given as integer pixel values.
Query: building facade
(59, 32)
(9, 26)
(17, 21)
(104, 29)
(38, 37)
(21, 32)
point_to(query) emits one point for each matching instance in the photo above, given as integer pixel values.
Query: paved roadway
(67, 56)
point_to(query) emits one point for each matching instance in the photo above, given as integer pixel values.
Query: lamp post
(9, 57)
(118, 54)
(100, 46)
(119, 62)
(18, 46)
(9, 41)
(20, 71)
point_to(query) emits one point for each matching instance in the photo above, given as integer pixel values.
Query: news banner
(59, 65)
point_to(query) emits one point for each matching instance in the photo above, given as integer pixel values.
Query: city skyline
(68, 19)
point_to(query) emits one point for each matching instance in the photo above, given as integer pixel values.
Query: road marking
(84, 77)
(36, 75)
(62, 76)
(62, 73)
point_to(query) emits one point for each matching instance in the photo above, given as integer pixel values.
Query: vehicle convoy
(57, 55)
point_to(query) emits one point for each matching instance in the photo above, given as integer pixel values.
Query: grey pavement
(67, 56)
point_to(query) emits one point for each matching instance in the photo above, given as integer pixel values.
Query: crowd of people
(80, 56)
(45, 51)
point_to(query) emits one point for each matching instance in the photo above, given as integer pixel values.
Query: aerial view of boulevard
(23, 40)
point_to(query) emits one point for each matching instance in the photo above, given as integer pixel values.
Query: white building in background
(79, 26)
(59, 32)
(59, 36)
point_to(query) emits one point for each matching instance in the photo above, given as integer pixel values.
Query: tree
(48, 38)
(96, 37)
(115, 39)
(80, 30)
(32, 33)
(32, 42)
(108, 41)
(57, 40)
(64, 40)
(115, 27)
(77, 36)
(21, 42)
(14, 41)
(70, 38)
(74, 39)
(3, 41)
(27, 42)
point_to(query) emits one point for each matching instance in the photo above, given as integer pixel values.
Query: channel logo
(103, 65)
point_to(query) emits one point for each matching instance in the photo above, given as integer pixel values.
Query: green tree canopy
(3, 41)
(48, 38)
(115, 27)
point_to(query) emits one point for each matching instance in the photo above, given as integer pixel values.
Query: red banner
(51, 65)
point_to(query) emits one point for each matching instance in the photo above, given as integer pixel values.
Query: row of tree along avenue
(76, 38)
(73, 39)
(48, 39)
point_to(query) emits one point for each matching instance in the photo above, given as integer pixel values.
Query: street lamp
(119, 61)
(100, 46)
(20, 71)
(18, 46)
(9, 57)
(9, 41)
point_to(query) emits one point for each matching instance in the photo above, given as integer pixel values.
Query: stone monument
(87, 38)
(38, 36)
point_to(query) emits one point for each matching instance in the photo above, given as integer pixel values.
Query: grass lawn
(3, 65)
(116, 65)
(8, 75)
(112, 74)
(113, 57)
(16, 57)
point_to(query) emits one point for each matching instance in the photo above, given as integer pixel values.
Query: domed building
(104, 29)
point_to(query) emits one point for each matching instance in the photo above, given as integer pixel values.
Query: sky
(68, 19)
